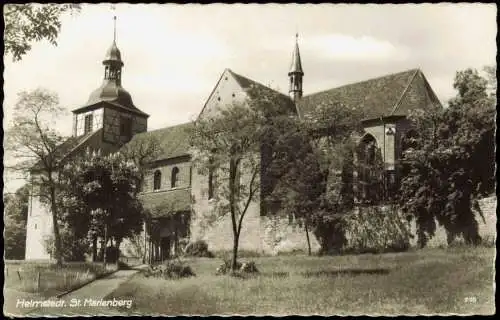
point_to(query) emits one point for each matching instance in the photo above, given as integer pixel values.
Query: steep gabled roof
(72, 145)
(164, 203)
(376, 97)
(247, 83)
(173, 141)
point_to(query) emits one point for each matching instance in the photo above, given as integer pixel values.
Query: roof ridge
(256, 82)
(167, 127)
(90, 135)
(396, 105)
(364, 81)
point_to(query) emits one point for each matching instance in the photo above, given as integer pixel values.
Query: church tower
(110, 107)
(295, 74)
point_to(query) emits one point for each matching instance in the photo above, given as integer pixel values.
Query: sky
(174, 54)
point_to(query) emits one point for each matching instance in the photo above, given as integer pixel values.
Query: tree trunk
(55, 225)
(144, 255)
(117, 247)
(234, 260)
(94, 248)
(232, 204)
(308, 240)
(104, 255)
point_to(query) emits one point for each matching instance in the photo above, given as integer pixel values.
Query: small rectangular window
(125, 126)
(88, 123)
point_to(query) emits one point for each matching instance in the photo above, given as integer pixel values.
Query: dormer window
(88, 124)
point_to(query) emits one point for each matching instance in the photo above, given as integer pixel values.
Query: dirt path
(87, 300)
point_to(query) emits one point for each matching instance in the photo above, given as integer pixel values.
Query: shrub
(374, 230)
(242, 268)
(249, 267)
(170, 270)
(198, 249)
(225, 267)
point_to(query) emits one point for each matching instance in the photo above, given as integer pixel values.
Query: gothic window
(369, 169)
(88, 123)
(174, 178)
(157, 180)
(125, 126)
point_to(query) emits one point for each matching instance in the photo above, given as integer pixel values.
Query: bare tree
(38, 149)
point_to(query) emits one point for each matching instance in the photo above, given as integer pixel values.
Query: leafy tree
(142, 152)
(15, 218)
(38, 149)
(320, 181)
(491, 77)
(29, 22)
(101, 198)
(235, 140)
(449, 164)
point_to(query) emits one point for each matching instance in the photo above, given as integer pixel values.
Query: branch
(250, 197)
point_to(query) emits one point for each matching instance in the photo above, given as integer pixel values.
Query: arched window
(369, 168)
(157, 180)
(174, 178)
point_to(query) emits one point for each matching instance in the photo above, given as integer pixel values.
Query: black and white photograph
(249, 159)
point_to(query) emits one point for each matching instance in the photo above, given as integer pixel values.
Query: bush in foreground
(242, 268)
(170, 270)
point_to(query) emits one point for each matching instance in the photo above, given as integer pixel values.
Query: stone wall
(38, 228)
(487, 228)
(112, 121)
(166, 167)
(280, 235)
(216, 228)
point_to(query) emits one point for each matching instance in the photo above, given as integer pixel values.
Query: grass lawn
(455, 280)
(23, 276)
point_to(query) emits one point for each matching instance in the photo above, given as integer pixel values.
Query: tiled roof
(173, 141)
(71, 145)
(114, 94)
(376, 97)
(164, 203)
(247, 83)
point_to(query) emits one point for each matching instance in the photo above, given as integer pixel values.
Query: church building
(178, 198)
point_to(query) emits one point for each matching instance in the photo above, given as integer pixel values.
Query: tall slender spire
(114, 29)
(296, 65)
(296, 73)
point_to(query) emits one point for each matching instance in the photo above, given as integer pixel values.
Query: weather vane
(113, 7)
